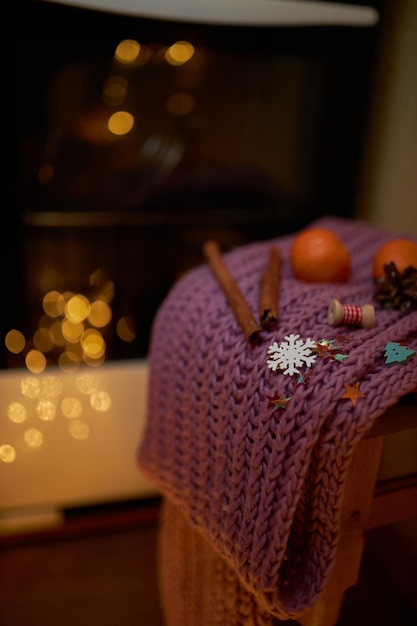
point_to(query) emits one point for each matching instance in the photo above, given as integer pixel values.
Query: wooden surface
(366, 505)
(106, 576)
(356, 508)
(397, 418)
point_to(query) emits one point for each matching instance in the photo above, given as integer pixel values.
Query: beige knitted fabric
(199, 588)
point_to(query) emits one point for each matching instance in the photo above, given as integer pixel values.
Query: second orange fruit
(319, 255)
(401, 251)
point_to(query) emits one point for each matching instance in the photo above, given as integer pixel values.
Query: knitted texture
(263, 486)
(197, 586)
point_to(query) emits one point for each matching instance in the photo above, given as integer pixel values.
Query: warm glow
(100, 314)
(180, 104)
(121, 123)
(77, 309)
(79, 429)
(87, 383)
(68, 361)
(114, 91)
(93, 344)
(107, 291)
(7, 453)
(45, 410)
(51, 387)
(43, 340)
(179, 53)
(124, 329)
(72, 331)
(53, 304)
(67, 329)
(106, 287)
(50, 278)
(96, 278)
(35, 361)
(71, 407)
(100, 401)
(15, 341)
(56, 332)
(30, 387)
(96, 362)
(127, 51)
(33, 438)
(17, 412)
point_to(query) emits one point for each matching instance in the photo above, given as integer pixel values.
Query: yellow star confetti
(352, 393)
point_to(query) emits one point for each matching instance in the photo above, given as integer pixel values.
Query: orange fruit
(400, 251)
(318, 255)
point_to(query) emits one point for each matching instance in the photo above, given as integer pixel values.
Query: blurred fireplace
(237, 133)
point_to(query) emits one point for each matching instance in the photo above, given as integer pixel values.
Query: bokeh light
(15, 341)
(51, 387)
(30, 387)
(93, 344)
(121, 123)
(79, 429)
(7, 453)
(68, 361)
(33, 438)
(69, 332)
(35, 361)
(179, 53)
(125, 329)
(100, 314)
(17, 412)
(100, 401)
(72, 331)
(77, 309)
(53, 303)
(127, 51)
(43, 340)
(46, 410)
(71, 407)
(87, 383)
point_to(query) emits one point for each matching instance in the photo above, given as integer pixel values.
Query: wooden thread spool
(338, 313)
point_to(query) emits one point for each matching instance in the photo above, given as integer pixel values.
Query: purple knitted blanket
(263, 480)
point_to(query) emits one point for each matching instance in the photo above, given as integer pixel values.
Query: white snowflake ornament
(291, 354)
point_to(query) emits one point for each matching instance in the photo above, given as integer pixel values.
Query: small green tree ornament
(397, 353)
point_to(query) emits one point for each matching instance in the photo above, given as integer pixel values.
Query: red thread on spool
(349, 314)
(352, 314)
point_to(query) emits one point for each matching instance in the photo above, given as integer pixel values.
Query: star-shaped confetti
(327, 349)
(323, 348)
(303, 377)
(278, 401)
(352, 393)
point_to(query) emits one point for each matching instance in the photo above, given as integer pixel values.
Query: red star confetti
(323, 348)
(278, 402)
(352, 393)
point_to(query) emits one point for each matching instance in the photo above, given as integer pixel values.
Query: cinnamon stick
(239, 305)
(269, 289)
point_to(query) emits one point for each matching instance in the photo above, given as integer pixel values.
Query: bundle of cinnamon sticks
(268, 291)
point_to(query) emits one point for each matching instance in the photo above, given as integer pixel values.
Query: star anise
(397, 290)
